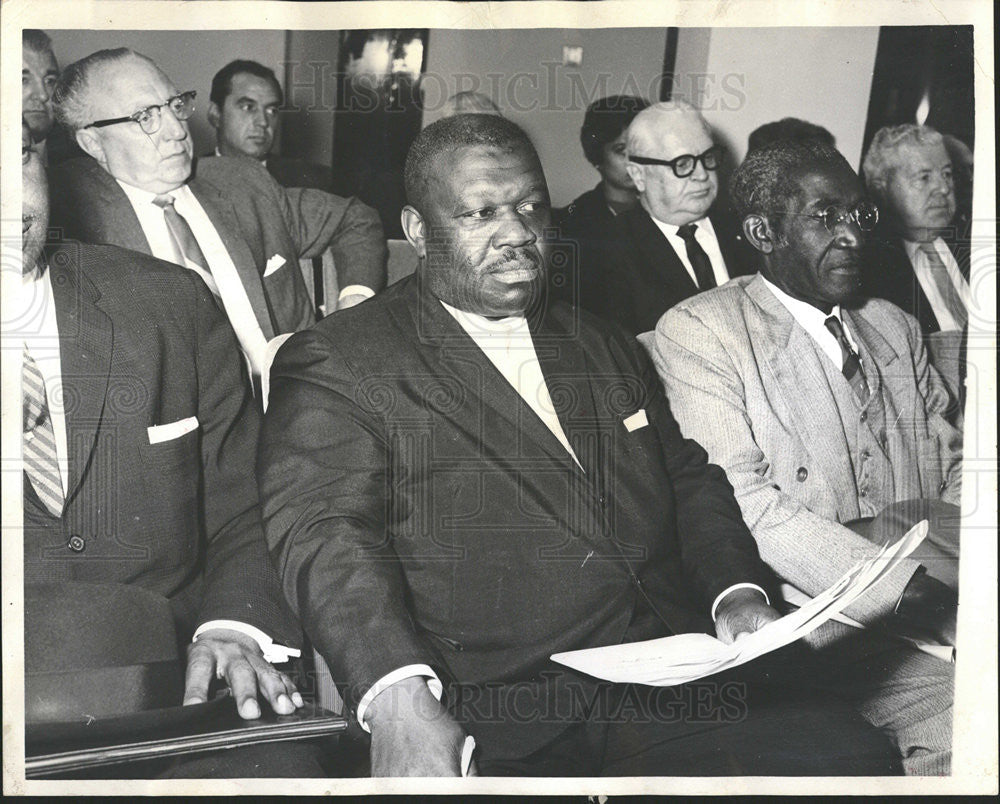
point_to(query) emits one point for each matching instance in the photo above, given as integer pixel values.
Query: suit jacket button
(77, 544)
(864, 415)
(603, 501)
(802, 474)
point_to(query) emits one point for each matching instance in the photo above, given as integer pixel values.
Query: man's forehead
(253, 86)
(128, 85)
(40, 61)
(676, 134)
(826, 183)
(915, 156)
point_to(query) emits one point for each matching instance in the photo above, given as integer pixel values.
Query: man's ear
(638, 177)
(214, 115)
(90, 141)
(758, 233)
(414, 229)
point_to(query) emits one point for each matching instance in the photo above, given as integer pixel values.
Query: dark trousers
(762, 719)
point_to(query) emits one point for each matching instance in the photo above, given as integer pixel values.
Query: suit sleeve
(324, 471)
(352, 230)
(932, 391)
(240, 583)
(707, 396)
(717, 550)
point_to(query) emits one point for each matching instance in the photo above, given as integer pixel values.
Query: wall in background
(190, 58)
(745, 77)
(311, 92)
(533, 88)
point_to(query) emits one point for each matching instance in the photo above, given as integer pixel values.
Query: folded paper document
(687, 657)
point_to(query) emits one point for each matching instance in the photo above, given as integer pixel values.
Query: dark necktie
(852, 368)
(949, 295)
(699, 260)
(188, 252)
(39, 441)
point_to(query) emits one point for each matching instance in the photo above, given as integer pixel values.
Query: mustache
(512, 255)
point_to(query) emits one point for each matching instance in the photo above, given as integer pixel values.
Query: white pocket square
(636, 421)
(167, 432)
(273, 264)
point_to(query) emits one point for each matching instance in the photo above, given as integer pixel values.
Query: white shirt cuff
(356, 290)
(733, 588)
(273, 653)
(407, 671)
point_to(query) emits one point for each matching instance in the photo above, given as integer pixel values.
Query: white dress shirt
(508, 345)
(704, 233)
(812, 320)
(922, 269)
(41, 339)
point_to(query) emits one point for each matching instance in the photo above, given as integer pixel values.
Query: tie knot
(164, 201)
(687, 231)
(836, 328)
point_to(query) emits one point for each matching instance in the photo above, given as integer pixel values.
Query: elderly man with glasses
(226, 219)
(675, 243)
(823, 410)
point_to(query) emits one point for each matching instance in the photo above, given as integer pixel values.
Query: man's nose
(261, 119)
(943, 184)
(170, 126)
(848, 234)
(700, 172)
(513, 230)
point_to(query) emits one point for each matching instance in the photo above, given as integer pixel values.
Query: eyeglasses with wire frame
(864, 214)
(150, 118)
(685, 164)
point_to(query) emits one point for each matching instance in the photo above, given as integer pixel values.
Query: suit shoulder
(113, 269)
(716, 306)
(882, 313)
(232, 171)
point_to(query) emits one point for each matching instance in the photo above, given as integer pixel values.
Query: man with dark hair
(490, 481)
(39, 72)
(788, 128)
(138, 441)
(244, 107)
(827, 418)
(225, 219)
(677, 242)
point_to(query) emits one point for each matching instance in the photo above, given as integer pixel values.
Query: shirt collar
(811, 318)
(139, 197)
(670, 229)
(913, 249)
(479, 326)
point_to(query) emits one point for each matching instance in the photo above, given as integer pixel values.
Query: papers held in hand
(687, 657)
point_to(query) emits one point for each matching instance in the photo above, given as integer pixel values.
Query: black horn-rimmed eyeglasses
(150, 118)
(685, 164)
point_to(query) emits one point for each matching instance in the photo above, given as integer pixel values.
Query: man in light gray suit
(824, 412)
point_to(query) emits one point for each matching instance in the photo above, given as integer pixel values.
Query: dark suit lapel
(449, 346)
(793, 359)
(223, 217)
(86, 338)
(657, 252)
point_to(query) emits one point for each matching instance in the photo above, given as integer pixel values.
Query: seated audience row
(465, 475)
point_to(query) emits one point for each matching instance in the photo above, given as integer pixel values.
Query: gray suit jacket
(746, 382)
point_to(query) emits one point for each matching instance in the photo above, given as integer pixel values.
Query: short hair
(36, 40)
(71, 95)
(648, 118)
(450, 133)
(469, 102)
(222, 83)
(788, 128)
(765, 181)
(604, 122)
(881, 158)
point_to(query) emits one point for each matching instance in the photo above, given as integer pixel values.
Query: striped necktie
(851, 368)
(39, 454)
(942, 281)
(188, 252)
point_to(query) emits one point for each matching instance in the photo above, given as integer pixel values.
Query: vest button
(802, 474)
(865, 454)
(863, 493)
(77, 544)
(864, 415)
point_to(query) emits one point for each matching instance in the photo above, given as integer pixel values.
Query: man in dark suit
(139, 435)
(675, 243)
(917, 260)
(225, 219)
(492, 480)
(244, 108)
(919, 257)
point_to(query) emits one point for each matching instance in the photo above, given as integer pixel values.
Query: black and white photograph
(571, 401)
